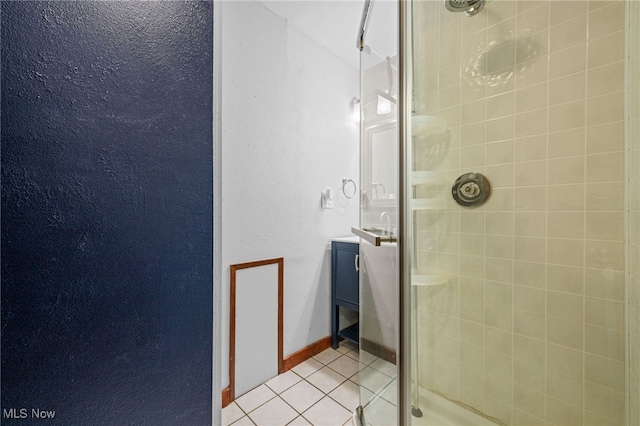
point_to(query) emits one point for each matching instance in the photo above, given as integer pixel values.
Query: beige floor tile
(231, 413)
(299, 421)
(345, 366)
(255, 398)
(302, 396)
(327, 412)
(276, 412)
(327, 356)
(347, 395)
(326, 379)
(244, 421)
(283, 381)
(308, 367)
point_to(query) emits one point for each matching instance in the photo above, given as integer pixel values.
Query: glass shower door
(520, 304)
(378, 216)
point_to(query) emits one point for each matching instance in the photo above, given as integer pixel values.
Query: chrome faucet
(387, 229)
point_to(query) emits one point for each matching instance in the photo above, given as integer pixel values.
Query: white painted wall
(286, 136)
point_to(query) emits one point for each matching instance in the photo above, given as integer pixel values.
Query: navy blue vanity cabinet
(345, 288)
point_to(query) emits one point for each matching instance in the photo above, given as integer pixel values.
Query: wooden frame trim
(230, 395)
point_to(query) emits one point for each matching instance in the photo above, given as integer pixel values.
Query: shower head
(469, 7)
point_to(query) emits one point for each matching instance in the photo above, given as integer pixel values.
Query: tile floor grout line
(325, 396)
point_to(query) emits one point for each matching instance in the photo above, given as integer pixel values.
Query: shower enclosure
(519, 304)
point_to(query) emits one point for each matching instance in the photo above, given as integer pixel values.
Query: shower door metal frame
(404, 215)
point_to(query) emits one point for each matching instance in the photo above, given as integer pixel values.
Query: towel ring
(346, 188)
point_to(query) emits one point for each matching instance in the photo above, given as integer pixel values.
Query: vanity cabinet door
(345, 276)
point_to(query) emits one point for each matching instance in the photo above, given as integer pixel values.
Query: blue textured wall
(106, 155)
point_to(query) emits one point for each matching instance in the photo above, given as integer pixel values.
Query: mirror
(380, 178)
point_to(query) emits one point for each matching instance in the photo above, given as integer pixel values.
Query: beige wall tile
(605, 138)
(561, 413)
(530, 173)
(568, 61)
(568, 89)
(604, 313)
(604, 342)
(528, 401)
(569, 279)
(605, 79)
(530, 199)
(500, 152)
(565, 333)
(530, 274)
(532, 71)
(605, 196)
(500, 129)
(497, 387)
(606, 20)
(499, 270)
(525, 419)
(531, 249)
(448, 97)
(497, 340)
(604, 225)
(530, 224)
(604, 401)
(562, 11)
(529, 374)
(472, 355)
(605, 108)
(565, 224)
(604, 283)
(528, 349)
(529, 324)
(565, 360)
(472, 221)
(472, 156)
(472, 112)
(568, 197)
(604, 254)
(567, 143)
(566, 170)
(606, 167)
(569, 34)
(531, 97)
(501, 200)
(533, 20)
(473, 134)
(604, 372)
(529, 299)
(564, 388)
(500, 105)
(565, 306)
(499, 223)
(562, 251)
(531, 123)
(606, 50)
(531, 148)
(568, 115)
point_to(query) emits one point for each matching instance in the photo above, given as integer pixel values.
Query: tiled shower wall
(529, 328)
(634, 212)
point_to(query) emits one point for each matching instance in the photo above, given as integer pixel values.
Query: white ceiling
(335, 24)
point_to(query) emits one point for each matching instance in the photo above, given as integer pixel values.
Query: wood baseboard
(378, 350)
(226, 397)
(307, 352)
